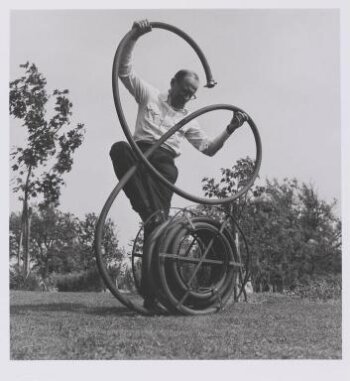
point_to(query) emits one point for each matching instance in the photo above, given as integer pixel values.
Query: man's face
(184, 90)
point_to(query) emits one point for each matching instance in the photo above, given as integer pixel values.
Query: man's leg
(160, 197)
(161, 194)
(147, 194)
(158, 194)
(123, 159)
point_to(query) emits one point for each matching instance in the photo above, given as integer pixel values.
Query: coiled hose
(163, 252)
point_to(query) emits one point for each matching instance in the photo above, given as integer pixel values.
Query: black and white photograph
(175, 191)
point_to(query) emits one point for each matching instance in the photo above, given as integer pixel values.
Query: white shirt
(155, 116)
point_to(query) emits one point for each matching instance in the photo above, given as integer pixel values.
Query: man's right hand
(141, 27)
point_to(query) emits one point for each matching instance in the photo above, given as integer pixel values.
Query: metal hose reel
(190, 262)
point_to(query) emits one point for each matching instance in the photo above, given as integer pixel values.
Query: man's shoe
(153, 306)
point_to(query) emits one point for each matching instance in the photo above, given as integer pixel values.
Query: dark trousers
(146, 193)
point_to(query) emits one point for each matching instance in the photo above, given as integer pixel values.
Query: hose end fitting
(211, 83)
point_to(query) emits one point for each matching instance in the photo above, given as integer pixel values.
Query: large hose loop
(219, 262)
(183, 122)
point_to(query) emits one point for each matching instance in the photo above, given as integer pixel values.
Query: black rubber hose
(98, 244)
(143, 157)
(174, 129)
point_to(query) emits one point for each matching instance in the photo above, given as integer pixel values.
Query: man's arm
(217, 143)
(136, 86)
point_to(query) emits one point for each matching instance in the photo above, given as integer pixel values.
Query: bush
(321, 288)
(92, 281)
(123, 277)
(79, 281)
(18, 281)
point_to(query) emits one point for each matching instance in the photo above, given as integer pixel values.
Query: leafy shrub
(322, 288)
(122, 275)
(79, 281)
(18, 281)
(66, 282)
(92, 280)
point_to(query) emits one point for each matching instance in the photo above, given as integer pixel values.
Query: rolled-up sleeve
(196, 136)
(137, 87)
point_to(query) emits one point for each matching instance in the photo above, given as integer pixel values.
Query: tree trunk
(20, 246)
(23, 240)
(26, 265)
(25, 225)
(24, 237)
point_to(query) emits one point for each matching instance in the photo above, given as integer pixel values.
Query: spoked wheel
(191, 265)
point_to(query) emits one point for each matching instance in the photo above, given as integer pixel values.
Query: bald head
(185, 73)
(183, 87)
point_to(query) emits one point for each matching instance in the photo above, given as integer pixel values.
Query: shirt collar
(164, 97)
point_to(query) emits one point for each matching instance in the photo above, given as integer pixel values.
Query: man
(157, 113)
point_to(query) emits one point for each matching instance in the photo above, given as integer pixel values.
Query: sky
(280, 66)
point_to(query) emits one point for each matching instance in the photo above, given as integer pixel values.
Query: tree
(61, 243)
(232, 181)
(292, 234)
(274, 233)
(110, 244)
(53, 242)
(50, 143)
(321, 230)
(15, 234)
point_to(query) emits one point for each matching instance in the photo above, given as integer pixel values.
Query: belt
(146, 144)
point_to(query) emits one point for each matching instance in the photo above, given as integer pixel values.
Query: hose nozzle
(211, 83)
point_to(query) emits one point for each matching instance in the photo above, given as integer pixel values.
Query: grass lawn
(96, 326)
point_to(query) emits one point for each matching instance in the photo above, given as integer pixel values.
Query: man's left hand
(237, 121)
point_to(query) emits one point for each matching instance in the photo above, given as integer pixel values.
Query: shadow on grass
(70, 307)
